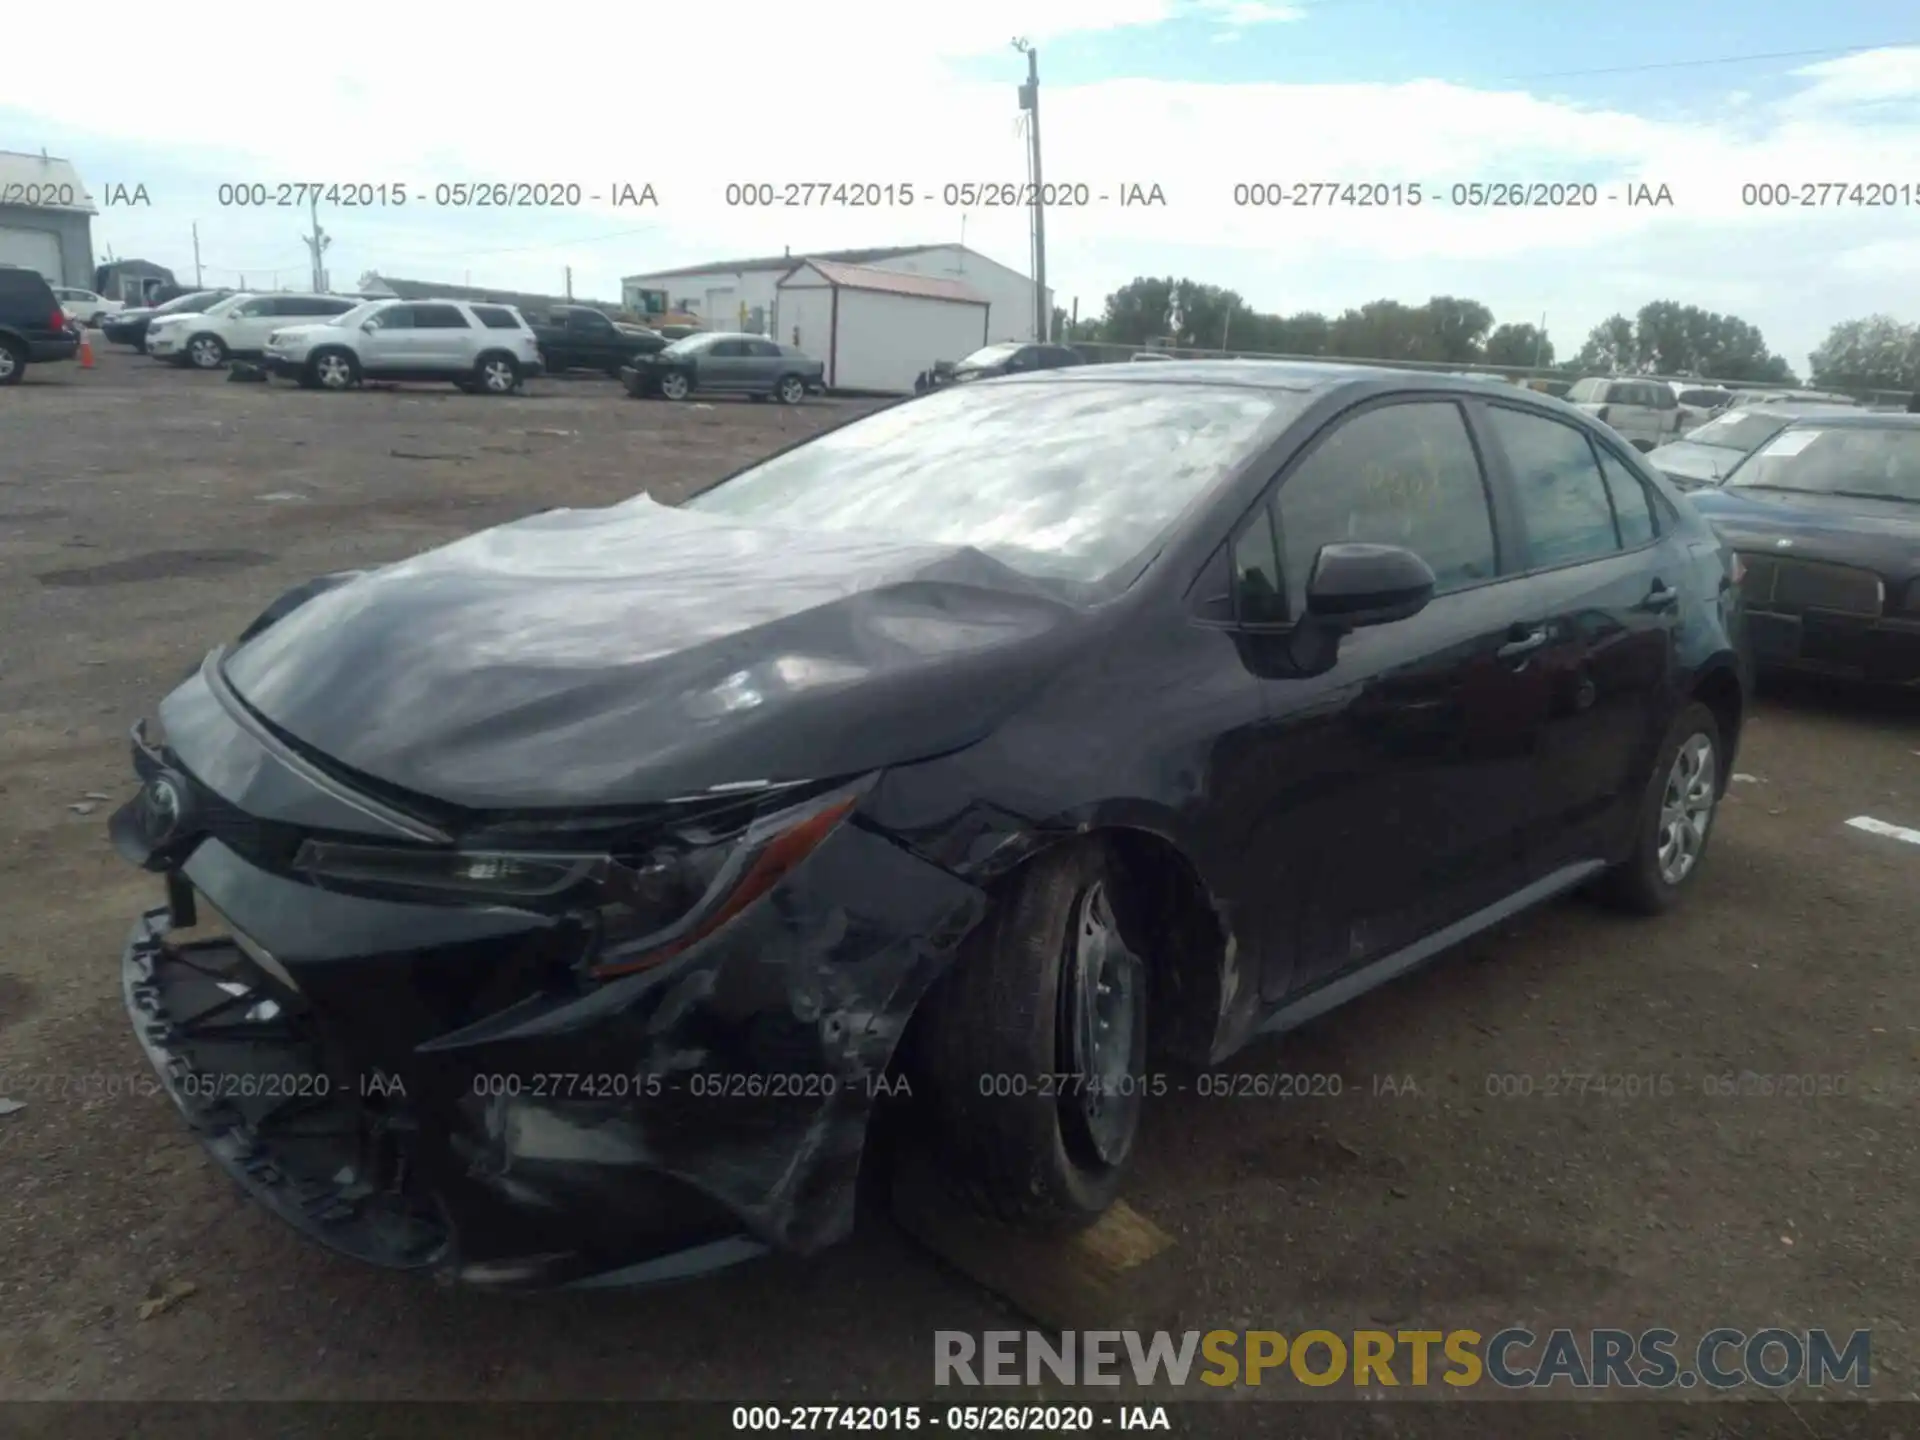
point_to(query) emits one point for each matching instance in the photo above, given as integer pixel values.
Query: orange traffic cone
(86, 352)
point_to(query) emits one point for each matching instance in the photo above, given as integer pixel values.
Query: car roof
(1839, 419)
(1295, 375)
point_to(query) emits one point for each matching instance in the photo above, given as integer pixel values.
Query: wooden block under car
(1117, 1274)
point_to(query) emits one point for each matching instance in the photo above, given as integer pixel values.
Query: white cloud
(857, 92)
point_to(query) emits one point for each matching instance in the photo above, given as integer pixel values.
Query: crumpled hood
(1882, 535)
(641, 653)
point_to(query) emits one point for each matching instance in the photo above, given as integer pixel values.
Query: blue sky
(1193, 95)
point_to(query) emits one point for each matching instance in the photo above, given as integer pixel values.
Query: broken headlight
(649, 903)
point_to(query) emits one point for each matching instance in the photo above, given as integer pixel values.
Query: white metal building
(46, 218)
(877, 329)
(745, 294)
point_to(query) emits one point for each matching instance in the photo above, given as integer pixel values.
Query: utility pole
(569, 282)
(1030, 102)
(317, 243)
(197, 277)
(1540, 340)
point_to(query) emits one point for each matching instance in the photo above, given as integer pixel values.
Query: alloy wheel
(674, 387)
(791, 391)
(333, 372)
(497, 376)
(9, 362)
(1686, 808)
(205, 353)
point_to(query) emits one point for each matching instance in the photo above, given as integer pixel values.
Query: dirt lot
(146, 514)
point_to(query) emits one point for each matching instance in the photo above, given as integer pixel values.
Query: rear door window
(439, 317)
(1632, 500)
(1562, 495)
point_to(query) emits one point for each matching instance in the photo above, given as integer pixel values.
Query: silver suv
(1646, 413)
(481, 348)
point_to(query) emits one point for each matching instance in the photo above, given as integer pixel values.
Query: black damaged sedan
(560, 906)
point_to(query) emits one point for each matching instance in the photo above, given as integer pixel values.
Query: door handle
(1661, 597)
(1524, 646)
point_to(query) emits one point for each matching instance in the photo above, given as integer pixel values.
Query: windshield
(1588, 390)
(990, 355)
(1881, 462)
(690, 345)
(189, 304)
(1067, 481)
(1741, 431)
(227, 305)
(353, 316)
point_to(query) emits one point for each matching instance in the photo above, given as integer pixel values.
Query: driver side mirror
(369, 326)
(1355, 585)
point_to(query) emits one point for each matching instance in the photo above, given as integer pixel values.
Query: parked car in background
(1747, 398)
(1710, 453)
(677, 331)
(480, 348)
(1011, 358)
(238, 327)
(83, 307)
(34, 329)
(129, 327)
(1699, 403)
(725, 364)
(1014, 729)
(578, 337)
(1826, 519)
(1645, 412)
(1139, 355)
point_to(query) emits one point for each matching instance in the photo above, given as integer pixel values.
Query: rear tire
(791, 390)
(495, 375)
(13, 363)
(1044, 996)
(1676, 817)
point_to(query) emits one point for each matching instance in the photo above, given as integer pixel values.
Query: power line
(1711, 60)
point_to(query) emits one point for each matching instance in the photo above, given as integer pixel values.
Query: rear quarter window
(497, 317)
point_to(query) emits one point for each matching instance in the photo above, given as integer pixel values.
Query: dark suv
(33, 327)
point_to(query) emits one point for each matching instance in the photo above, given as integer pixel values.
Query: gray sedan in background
(725, 364)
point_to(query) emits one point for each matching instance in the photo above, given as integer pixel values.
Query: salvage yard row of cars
(840, 825)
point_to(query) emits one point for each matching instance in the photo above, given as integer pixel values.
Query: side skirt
(1351, 984)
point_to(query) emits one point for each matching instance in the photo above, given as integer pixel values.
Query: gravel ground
(146, 514)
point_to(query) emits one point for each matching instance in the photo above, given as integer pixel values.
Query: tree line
(1663, 338)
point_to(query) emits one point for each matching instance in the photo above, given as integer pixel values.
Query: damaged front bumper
(438, 1088)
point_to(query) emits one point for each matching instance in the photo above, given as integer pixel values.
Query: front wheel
(206, 352)
(1036, 1047)
(675, 386)
(334, 370)
(1676, 816)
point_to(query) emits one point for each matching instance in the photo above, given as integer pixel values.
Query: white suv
(83, 307)
(481, 348)
(1645, 413)
(238, 325)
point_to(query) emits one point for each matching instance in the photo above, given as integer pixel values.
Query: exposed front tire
(1676, 817)
(674, 386)
(496, 375)
(206, 352)
(13, 363)
(334, 369)
(791, 390)
(1036, 1047)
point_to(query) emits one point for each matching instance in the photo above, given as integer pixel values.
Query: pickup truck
(577, 337)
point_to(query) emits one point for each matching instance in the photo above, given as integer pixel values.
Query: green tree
(1875, 353)
(1611, 348)
(1139, 311)
(1520, 345)
(1381, 330)
(1456, 329)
